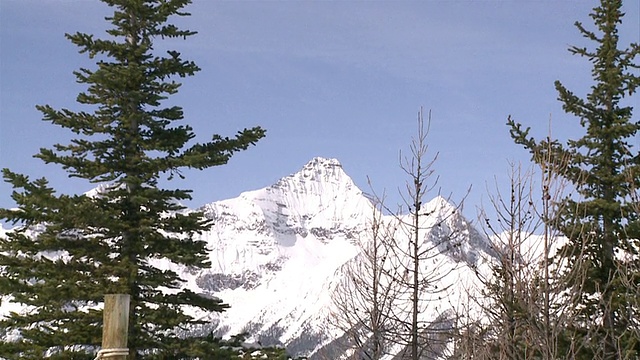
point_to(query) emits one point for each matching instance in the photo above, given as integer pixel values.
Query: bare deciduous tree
(419, 267)
(524, 310)
(393, 294)
(363, 299)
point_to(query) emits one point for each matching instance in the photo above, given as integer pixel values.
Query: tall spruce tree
(67, 251)
(601, 223)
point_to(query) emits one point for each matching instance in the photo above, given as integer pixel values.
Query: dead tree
(363, 300)
(523, 309)
(420, 265)
(526, 310)
(388, 301)
(507, 300)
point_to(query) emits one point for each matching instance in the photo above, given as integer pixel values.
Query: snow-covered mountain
(277, 254)
(274, 251)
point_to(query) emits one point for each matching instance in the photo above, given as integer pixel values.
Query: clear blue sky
(340, 79)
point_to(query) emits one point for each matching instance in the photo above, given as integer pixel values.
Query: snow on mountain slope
(450, 252)
(320, 202)
(275, 250)
(277, 254)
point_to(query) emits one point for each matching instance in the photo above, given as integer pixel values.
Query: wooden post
(115, 328)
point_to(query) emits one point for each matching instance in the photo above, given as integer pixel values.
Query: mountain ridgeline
(278, 253)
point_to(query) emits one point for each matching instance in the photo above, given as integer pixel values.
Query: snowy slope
(277, 254)
(275, 250)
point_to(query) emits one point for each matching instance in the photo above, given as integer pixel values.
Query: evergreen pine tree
(604, 168)
(67, 251)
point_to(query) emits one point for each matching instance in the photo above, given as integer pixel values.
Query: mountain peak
(320, 193)
(320, 170)
(321, 162)
(441, 204)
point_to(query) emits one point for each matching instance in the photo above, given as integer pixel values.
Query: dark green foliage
(603, 166)
(213, 348)
(94, 245)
